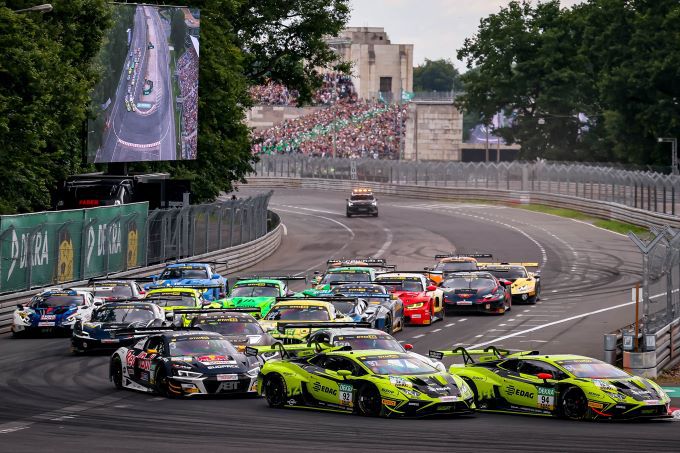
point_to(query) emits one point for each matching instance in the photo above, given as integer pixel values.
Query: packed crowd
(187, 70)
(335, 88)
(346, 129)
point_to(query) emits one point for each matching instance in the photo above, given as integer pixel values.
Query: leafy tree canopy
(436, 75)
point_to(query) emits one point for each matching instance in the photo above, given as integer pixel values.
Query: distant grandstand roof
(194, 41)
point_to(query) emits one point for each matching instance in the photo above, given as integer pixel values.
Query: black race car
(363, 202)
(103, 329)
(177, 363)
(476, 292)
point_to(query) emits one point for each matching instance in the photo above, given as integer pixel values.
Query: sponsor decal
(389, 402)
(318, 387)
(345, 395)
(512, 390)
(226, 386)
(545, 398)
(448, 399)
(46, 323)
(227, 377)
(48, 317)
(595, 405)
(292, 402)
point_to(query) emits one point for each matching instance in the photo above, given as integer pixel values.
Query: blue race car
(383, 310)
(191, 275)
(103, 330)
(53, 311)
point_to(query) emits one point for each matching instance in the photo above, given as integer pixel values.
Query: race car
(290, 311)
(240, 328)
(449, 263)
(361, 338)
(356, 270)
(102, 330)
(423, 301)
(569, 386)
(53, 311)
(478, 292)
(384, 311)
(371, 382)
(526, 286)
(176, 298)
(108, 290)
(193, 274)
(258, 292)
(183, 363)
(362, 201)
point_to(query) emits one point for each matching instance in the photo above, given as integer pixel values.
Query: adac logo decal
(322, 388)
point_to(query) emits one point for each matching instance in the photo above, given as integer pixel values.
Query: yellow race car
(526, 286)
(290, 311)
(173, 298)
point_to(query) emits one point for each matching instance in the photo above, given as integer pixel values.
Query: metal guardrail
(239, 257)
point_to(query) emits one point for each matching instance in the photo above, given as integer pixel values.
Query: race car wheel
(163, 386)
(574, 404)
(375, 215)
(369, 401)
(473, 387)
(274, 390)
(388, 324)
(348, 214)
(117, 373)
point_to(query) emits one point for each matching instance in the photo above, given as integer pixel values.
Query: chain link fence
(56, 247)
(649, 191)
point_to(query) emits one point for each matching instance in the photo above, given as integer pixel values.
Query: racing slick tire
(388, 325)
(375, 215)
(473, 387)
(274, 390)
(117, 373)
(348, 214)
(163, 386)
(573, 404)
(369, 401)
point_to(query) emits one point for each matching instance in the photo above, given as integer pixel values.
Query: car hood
(637, 388)
(435, 385)
(257, 302)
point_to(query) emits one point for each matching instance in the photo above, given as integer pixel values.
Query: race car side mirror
(505, 283)
(544, 376)
(344, 373)
(20, 307)
(216, 277)
(427, 269)
(408, 346)
(316, 272)
(98, 303)
(170, 316)
(431, 288)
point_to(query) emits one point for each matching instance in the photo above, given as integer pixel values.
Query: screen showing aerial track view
(145, 107)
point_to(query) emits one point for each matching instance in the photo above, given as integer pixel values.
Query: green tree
(436, 75)
(45, 78)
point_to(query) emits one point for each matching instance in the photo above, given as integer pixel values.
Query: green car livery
(259, 294)
(368, 382)
(569, 386)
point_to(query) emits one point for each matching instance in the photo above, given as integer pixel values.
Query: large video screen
(145, 107)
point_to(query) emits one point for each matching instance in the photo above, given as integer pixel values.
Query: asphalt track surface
(54, 401)
(139, 135)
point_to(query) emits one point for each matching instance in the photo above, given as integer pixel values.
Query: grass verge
(612, 225)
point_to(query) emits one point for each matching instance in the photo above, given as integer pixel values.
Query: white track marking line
(461, 320)
(419, 336)
(436, 330)
(388, 242)
(285, 229)
(543, 326)
(450, 324)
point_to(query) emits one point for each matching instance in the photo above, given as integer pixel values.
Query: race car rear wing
(485, 355)
(272, 277)
(281, 327)
(421, 272)
(208, 310)
(146, 331)
(319, 298)
(212, 263)
(290, 350)
(94, 280)
(524, 264)
(360, 262)
(463, 255)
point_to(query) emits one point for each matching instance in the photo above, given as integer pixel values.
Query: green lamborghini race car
(258, 292)
(569, 386)
(369, 382)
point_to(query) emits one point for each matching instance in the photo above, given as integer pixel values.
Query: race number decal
(345, 395)
(546, 398)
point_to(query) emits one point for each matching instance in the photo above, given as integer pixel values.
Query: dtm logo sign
(512, 390)
(105, 239)
(322, 388)
(24, 250)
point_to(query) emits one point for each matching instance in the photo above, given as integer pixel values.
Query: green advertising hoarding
(54, 247)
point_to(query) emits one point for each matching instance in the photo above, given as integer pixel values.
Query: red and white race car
(423, 301)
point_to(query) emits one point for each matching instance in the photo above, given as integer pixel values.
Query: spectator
(187, 72)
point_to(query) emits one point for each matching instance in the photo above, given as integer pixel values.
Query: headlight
(491, 297)
(400, 382)
(374, 203)
(419, 305)
(439, 365)
(465, 389)
(523, 288)
(70, 319)
(410, 392)
(350, 203)
(189, 374)
(254, 372)
(24, 315)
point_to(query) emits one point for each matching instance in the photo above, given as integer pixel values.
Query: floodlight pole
(44, 8)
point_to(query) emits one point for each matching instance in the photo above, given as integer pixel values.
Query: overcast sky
(436, 28)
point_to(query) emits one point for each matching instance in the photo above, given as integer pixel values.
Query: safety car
(563, 385)
(423, 301)
(478, 292)
(55, 310)
(371, 382)
(184, 363)
(362, 201)
(526, 286)
(101, 331)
